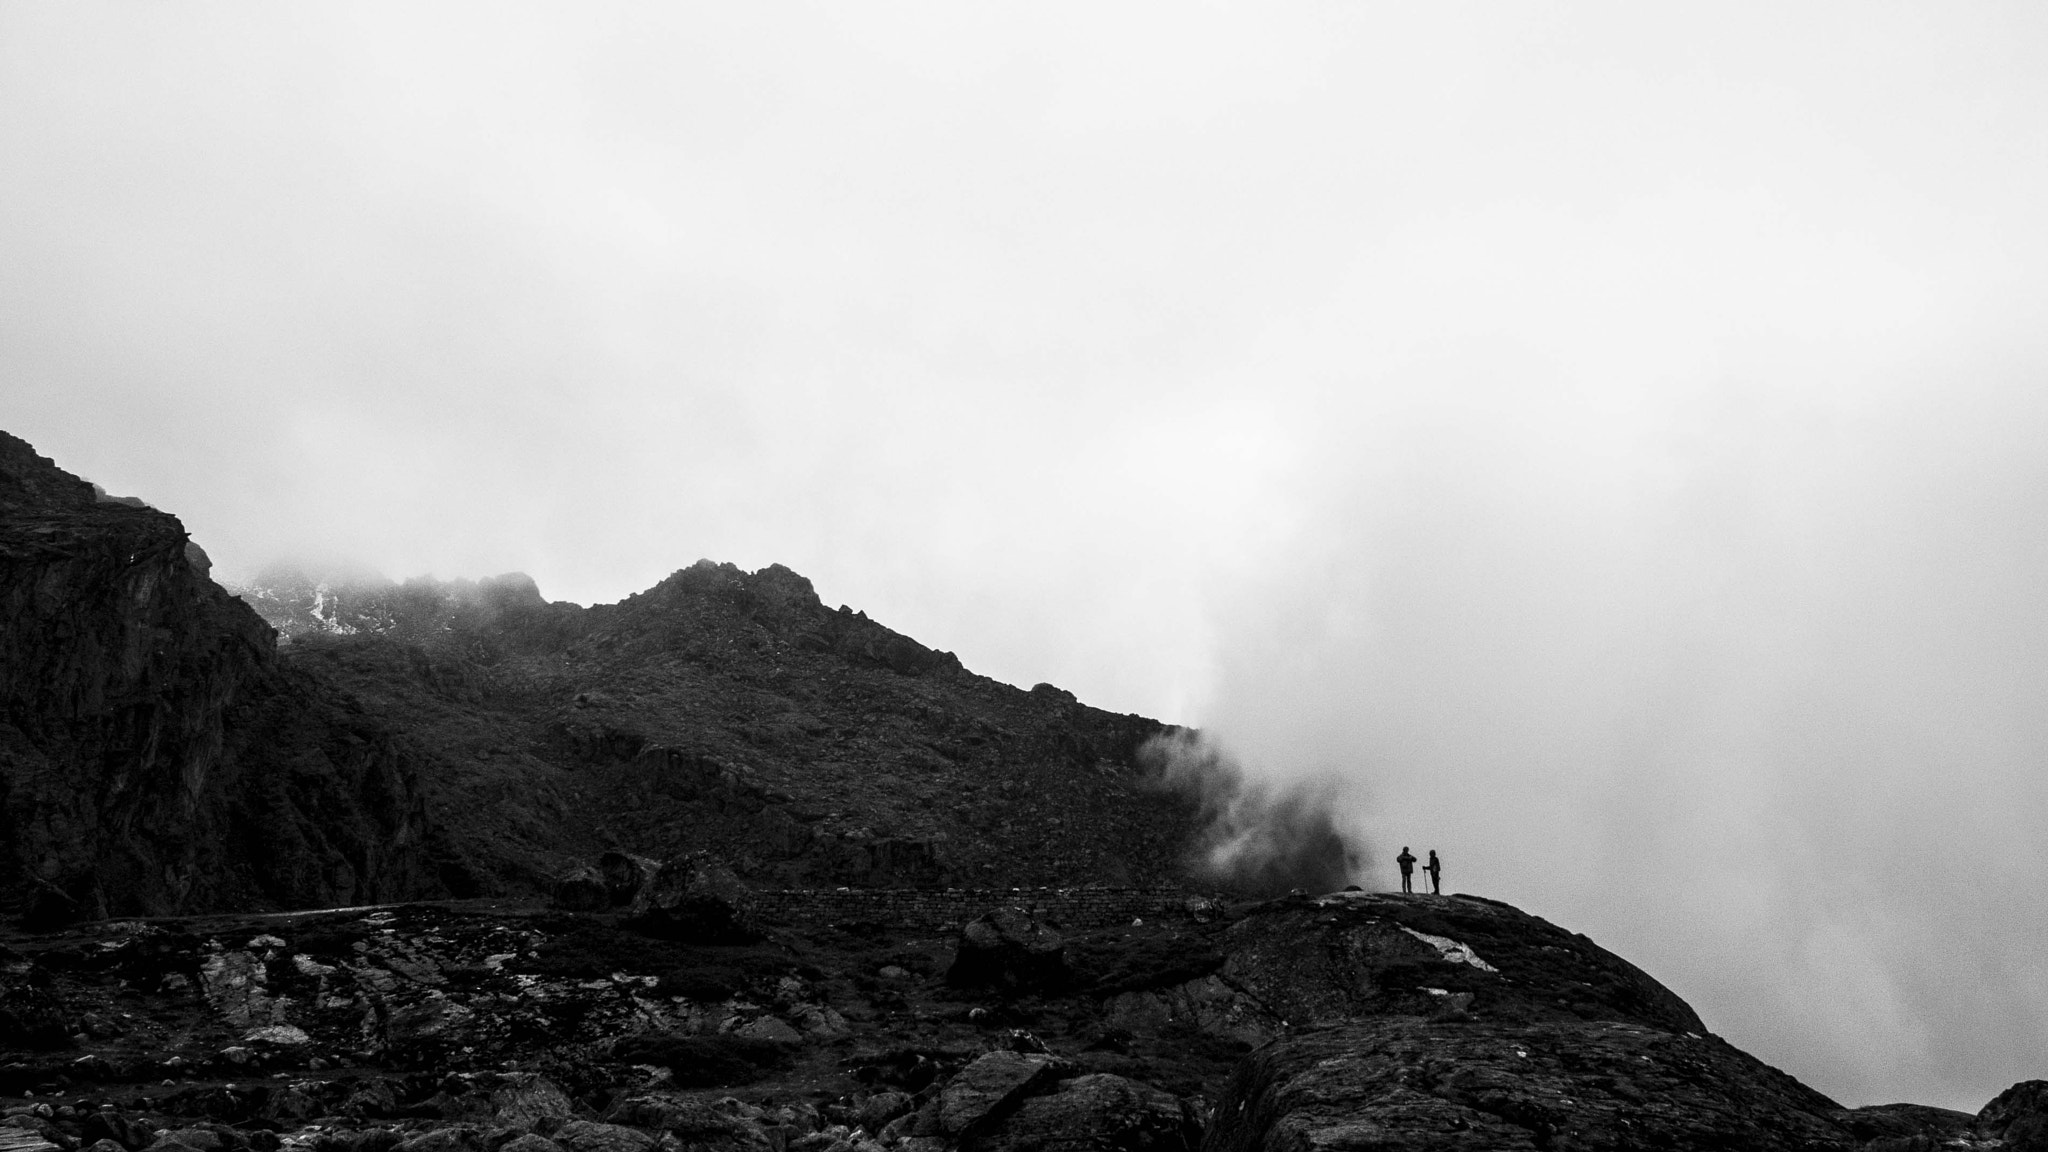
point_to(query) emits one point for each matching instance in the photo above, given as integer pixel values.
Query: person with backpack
(1407, 863)
(1435, 868)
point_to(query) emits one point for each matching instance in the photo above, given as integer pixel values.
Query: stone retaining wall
(949, 908)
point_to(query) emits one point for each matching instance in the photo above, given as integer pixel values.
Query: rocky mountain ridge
(734, 871)
(163, 751)
(731, 712)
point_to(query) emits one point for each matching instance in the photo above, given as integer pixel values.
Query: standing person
(1435, 868)
(1407, 863)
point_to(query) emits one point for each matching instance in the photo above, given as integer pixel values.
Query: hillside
(1126, 1022)
(163, 750)
(732, 712)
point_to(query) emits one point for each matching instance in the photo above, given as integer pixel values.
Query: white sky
(1607, 437)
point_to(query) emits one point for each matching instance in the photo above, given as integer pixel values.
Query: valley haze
(1601, 444)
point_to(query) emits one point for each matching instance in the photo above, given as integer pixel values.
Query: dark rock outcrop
(1456, 1022)
(1413, 1083)
(992, 1087)
(154, 756)
(695, 898)
(1102, 1112)
(2018, 1116)
(1009, 950)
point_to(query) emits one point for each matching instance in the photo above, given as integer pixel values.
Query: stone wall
(938, 909)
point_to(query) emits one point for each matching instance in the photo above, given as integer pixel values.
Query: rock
(201, 1139)
(883, 1107)
(1097, 1113)
(24, 1140)
(526, 1099)
(110, 1125)
(594, 1136)
(2018, 1116)
(530, 1142)
(104, 1145)
(705, 1061)
(819, 1023)
(436, 1020)
(697, 899)
(697, 1123)
(280, 1035)
(770, 1028)
(1409, 1082)
(625, 875)
(30, 1014)
(991, 1085)
(456, 1138)
(580, 890)
(376, 1140)
(1902, 1125)
(1009, 950)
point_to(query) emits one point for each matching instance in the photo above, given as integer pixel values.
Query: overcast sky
(1605, 439)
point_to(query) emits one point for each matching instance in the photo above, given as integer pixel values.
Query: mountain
(339, 738)
(282, 887)
(729, 712)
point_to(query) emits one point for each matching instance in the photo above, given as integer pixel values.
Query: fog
(1597, 443)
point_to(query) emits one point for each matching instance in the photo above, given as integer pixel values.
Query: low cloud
(1259, 835)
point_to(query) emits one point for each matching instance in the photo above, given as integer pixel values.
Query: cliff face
(154, 755)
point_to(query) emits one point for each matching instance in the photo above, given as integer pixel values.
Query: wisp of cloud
(1260, 835)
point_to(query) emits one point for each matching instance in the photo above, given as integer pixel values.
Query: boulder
(531, 1142)
(595, 1136)
(525, 1099)
(1098, 1113)
(580, 889)
(695, 1122)
(625, 875)
(771, 1029)
(1009, 950)
(23, 1140)
(458, 1138)
(696, 899)
(882, 1107)
(2018, 1116)
(991, 1086)
(107, 1124)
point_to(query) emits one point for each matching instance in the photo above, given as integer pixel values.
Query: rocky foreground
(677, 1017)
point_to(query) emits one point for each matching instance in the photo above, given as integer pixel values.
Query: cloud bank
(1598, 441)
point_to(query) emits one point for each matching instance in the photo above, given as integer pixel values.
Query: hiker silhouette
(1407, 863)
(1435, 868)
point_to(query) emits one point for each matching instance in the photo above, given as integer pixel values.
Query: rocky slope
(733, 712)
(154, 754)
(1351, 1020)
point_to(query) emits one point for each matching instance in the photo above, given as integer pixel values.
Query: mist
(1599, 443)
(1260, 835)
